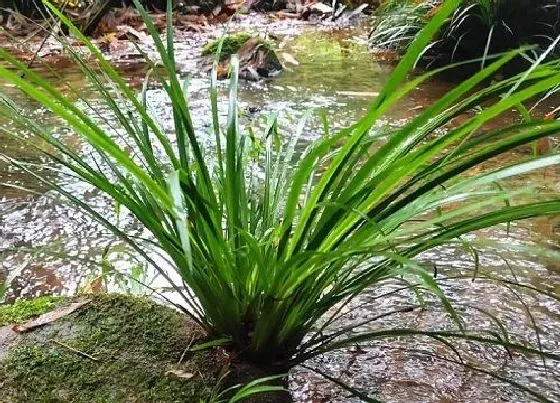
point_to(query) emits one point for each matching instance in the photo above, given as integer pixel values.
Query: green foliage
(23, 310)
(268, 256)
(241, 392)
(391, 5)
(487, 27)
(398, 22)
(477, 29)
(230, 45)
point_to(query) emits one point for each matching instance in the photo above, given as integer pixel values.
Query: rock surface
(113, 348)
(257, 57)
(258, 60)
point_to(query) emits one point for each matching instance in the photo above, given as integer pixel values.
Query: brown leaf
(49, 317)
(126, 32)
(95, 286)
(544, 145)
(180, 374)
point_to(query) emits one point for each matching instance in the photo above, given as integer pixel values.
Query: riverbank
(124, 41)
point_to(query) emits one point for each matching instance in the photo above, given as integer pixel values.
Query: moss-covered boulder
(111, 349)
(230, 45)
(257, 57)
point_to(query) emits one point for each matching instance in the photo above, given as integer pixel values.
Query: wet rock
(198, 6)
(257, 58)
(267, 5)
(116, 348)
(316, 11)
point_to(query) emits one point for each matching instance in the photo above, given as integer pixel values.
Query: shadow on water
(49, 247)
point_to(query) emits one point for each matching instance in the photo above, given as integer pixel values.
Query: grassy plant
(397, 23)
(263, 259)
(484, 27)
(477, 29)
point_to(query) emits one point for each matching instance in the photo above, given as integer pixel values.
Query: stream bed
(48, 247)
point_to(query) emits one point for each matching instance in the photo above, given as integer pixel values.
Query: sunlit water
(51, 248)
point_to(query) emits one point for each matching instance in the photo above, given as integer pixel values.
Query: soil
(112, 348)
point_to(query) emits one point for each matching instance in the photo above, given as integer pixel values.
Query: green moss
(232, 43)
(134, 343)
(23, 310)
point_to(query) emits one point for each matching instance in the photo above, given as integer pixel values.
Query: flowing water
(48, 247)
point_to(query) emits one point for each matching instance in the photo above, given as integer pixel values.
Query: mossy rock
(257, 57)
(113, 349)
(231, 45)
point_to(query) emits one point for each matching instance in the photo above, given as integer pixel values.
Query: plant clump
(477, 30)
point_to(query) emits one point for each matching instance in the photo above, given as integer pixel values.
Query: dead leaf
(359, 94)
(435, 10)
(544, 145)
(49, 317)
(95, 286)
(221, 18)
(180, 374)
(127, 32)
(283, 15)
(223, 70)
(108, 42)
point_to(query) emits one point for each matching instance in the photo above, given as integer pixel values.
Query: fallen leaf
(544, 145)
(126, 32)
(49, 317)
(108, 42)
(180, 374)
(95, 286)
(359, 94)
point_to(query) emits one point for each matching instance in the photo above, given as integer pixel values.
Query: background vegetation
(477, 29)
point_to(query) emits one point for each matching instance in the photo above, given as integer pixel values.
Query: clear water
(51, 248)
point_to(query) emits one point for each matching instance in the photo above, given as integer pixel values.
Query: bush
(477, 29)
(398, 22)
(265, 257)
